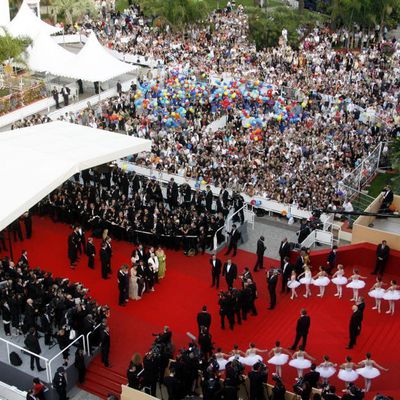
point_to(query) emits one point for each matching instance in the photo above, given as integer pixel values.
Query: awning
(36, 160)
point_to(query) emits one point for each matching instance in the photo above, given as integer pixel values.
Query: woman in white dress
(339, 280)
(133, 285)
(392, 294)
(369, 370)
(322, 281)
(292, 284)
(347, 373)
(280, 357)
(220, 358)
(300, 362)
(251, 355)
(305, 279)
(356, 284)
(237, 354)
(377, 292)
(326, 369)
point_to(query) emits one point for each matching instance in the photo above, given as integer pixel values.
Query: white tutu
(326, 372)
(392, 295)
(356, 284)
(321, 281)
(306, 281)
(347, 375)
(377, 293)
(339, 280)
(222, 363)
(293, 284)
(368, 372)
(278, 359)
(300, 363)
(252, 359)
(240, 358)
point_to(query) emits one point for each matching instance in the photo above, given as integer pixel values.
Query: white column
(4, 12)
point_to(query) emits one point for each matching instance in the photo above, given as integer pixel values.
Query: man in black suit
(123, 285)
(32, 344)
(299, 263)
(204, 319)
(312, 377)
(260, 254)
(361, 308)
(209, 199)
(230, 273)
(354, 326)
(284, 251)
(286, 273)
(172, 193)
(46, 326)
(302, 329)
(105, 346)
(257, 379)
(272, 280)
(387, 199)
(382, 255)
(331, 260)
(104, 261)
(216, 266)
(235, 235)
(90, 252)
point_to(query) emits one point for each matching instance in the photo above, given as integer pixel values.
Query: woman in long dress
(306, 280)
(369, 370)
(162, 267)
(300, 362)
(292, 284)
(133, 285)
(322, 281)
(377, 292)
(392, 294)
(280, 357)
(339, 280)
(347, 373)
(251, 355)
(220, 357)
(326, 369)
(237, 354)
(356, 284)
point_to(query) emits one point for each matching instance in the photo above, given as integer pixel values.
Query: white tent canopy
(38, 159)
(26, 23)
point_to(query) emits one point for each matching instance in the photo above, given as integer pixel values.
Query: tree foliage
(176, 13)
(13, 49)
(73, 9)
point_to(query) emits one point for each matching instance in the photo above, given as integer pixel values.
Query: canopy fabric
(95, 64)
(37, 159)
(26, 23)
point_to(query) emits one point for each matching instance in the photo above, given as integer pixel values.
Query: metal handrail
(88, 337)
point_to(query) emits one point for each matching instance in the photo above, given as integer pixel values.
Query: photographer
(151, 371)
(329, 393)
(234, 373)
(279, 390)
(353, 393)
(205, 343)
(257, 377)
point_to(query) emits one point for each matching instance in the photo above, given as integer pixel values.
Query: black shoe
(270, 308)
(292, 348)
(255, 270)
(349, 347)
(373, 273)
(41, 369)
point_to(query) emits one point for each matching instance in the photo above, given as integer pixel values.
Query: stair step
(107, 384)
(107, 373)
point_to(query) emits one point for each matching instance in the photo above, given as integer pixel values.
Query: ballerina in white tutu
(300, 362)
(220, 358)
(356, 284)
(321, 280)
(339, 280)
(369, 370)
(292, 284)
(392, 294)
(305, 279)
(326, 369)
(237, 354)
(377, 292)
(347, 373)
(251, 355)
(280, 357)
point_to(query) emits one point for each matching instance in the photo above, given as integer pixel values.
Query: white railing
(318, 235)
(88, 339)
(11, 392)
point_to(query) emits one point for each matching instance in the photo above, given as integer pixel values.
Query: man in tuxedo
(361, 308)
(387, 199)
(123, 285)
(23, 261)
(105, 346)
(209, 199)
(312, 377)
(172, 193)
(284, 251)
(286, 273)
(215, 270)
(230, 273)
(235, 235)
(302, 329)
(32, 344)
(90, 252)
(104, 261)
(299, 263)
(382, 255)
(272, 280)
(260, 254)
(46, 327)
(204, 319)
(355, 322)
(109, 254)
(331, 260)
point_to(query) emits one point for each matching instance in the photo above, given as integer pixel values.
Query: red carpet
(186, 288)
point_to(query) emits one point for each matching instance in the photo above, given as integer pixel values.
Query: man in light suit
(230, 273)
(215, 270)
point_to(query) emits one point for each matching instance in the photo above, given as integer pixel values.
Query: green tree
(176, 13)
(13, 49)
(301, 6)
(73, 9)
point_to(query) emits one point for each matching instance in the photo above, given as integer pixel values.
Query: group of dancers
(301, 360)
(354, 282)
